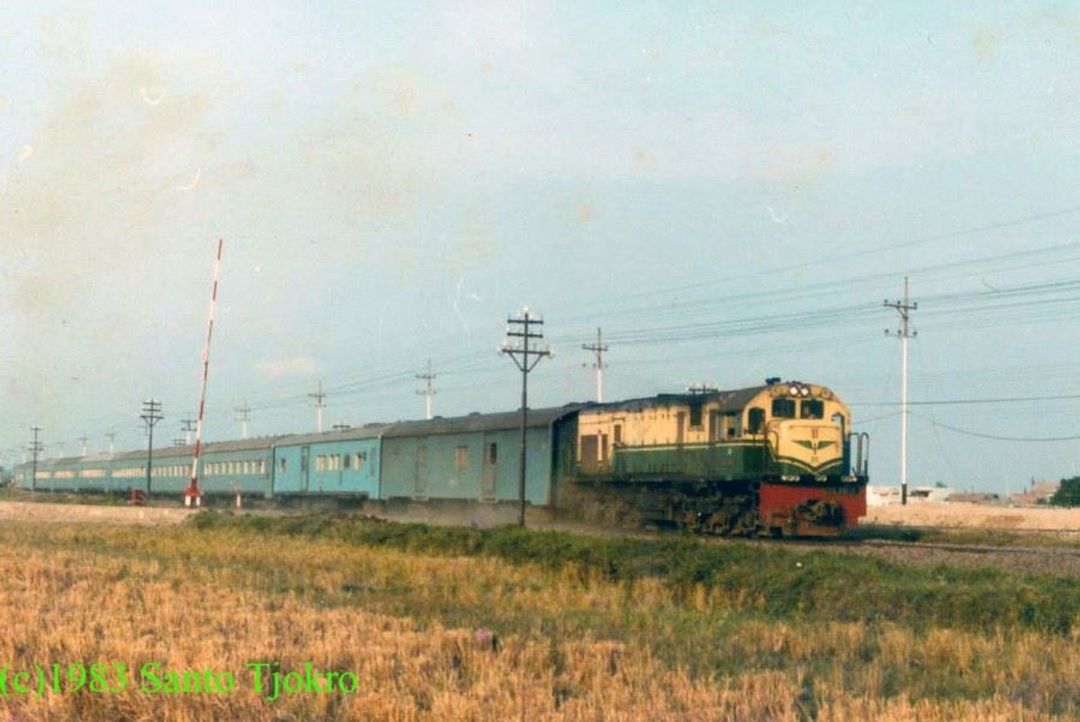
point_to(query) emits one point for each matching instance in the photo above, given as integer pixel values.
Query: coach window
(618, 435)
(812, 409)
(783, 408)
(755, 420)
(348, 461)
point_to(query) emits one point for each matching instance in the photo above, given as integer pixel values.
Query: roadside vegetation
(450, 623)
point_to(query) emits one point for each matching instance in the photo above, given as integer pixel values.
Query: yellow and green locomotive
(778, 458)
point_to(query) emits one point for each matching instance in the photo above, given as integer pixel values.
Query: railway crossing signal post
(193, 494)
(151, 414)
(520, 329)
(904, 308)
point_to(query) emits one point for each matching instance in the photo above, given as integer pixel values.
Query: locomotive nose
(811, 447)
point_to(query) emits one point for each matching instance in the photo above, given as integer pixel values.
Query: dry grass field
(450, 637)
(92, 513)
(968, 515)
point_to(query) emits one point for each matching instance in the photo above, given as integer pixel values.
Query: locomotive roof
(481, 422)
(734, 399)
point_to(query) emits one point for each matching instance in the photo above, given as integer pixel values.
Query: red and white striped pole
(193, 494)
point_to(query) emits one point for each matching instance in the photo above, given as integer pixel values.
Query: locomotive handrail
(771, 439)
(862, 453)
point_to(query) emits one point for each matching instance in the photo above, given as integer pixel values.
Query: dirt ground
(982, 516)
(143, 516)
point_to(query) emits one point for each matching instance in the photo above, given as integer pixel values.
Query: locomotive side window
(695, 414)
(731, 424)
(783, 408)
(755, 421)
(812, 409)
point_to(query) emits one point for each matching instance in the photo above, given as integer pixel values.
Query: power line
(966, 432)
(961, 402)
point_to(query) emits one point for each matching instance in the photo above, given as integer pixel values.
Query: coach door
(420, 486)
(305, 467)
(487, 469)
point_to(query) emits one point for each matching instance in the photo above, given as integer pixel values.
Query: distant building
(1039, 492)
(885, 495)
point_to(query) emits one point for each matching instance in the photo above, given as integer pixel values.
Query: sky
(729, 191)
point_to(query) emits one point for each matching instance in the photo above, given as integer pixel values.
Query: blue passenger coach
(344, 462)
(468, 458)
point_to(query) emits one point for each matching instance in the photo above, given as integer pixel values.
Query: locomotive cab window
(812, 409)
(755, 421)
(783, 408)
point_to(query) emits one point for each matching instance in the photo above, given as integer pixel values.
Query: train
(779, 459)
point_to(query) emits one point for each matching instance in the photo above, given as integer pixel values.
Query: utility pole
(320, 403)
(187, 426)
(36, 448)
(525, 359)
(178, 441)
(598, 348)
(904, 308)
(243, 415)
(83, 439)
(428, 390)
(151, 414)
(111, 436)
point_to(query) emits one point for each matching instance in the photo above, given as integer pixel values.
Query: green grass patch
(802, 586)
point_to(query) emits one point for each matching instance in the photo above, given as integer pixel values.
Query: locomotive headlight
(793, 390)
(805, 391)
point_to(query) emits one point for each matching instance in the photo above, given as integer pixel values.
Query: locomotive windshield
(812, 409)
(783, 408)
